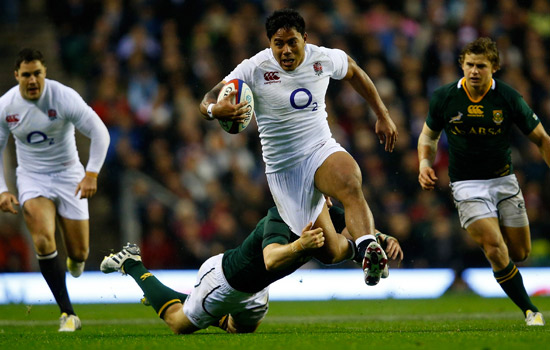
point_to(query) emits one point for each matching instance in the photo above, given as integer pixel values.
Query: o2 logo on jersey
(301, 99)
(37, 137)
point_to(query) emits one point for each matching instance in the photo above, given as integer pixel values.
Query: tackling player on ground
(52, 183)
(232, 290)
(477, 113)
(303, 161)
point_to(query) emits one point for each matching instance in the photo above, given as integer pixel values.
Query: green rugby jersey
(478, 131)
(244, 266)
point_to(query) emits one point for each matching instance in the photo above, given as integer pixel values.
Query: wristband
(92, 174)
(209, 111)
(425, 163)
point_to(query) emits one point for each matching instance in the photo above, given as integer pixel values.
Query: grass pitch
(452, 322)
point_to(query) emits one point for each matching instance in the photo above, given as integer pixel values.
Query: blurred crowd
(147, 64)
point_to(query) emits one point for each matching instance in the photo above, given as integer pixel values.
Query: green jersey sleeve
(524, 117)
(276, 230)
(436, 119)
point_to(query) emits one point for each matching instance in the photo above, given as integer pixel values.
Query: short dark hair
(29, 55)
(287, 19)
(482, 46)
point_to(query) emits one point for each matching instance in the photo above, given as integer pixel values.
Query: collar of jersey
(462, 83)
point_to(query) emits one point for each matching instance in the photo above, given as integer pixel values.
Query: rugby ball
(243, 94)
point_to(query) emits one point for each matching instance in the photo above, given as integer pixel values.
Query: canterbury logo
(12, 118)
(269, 76)
(475, 110)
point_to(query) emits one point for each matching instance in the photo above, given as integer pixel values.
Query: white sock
(363, 238)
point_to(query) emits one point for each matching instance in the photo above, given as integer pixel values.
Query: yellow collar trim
(463, 83)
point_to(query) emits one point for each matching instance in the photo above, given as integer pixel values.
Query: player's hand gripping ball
(243, 94)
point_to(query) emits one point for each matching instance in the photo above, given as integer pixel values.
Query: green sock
(511, 282)
(158, 295)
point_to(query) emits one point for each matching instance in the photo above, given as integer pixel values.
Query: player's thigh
(212, 297)
(69, 205)
(39, 214)
(486, 231)
(339, 176)
(177, 321)
(76, 235)
(515, 226)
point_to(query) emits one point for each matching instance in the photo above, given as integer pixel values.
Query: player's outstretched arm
(385, 127)
(278, 256)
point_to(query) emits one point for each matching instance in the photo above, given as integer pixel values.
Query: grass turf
(451, 322)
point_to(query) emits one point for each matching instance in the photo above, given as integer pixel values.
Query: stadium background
(186, 189)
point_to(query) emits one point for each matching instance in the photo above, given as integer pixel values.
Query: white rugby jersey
(290, 106)
(44, 130)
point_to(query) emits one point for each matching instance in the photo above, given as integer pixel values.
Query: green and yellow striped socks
(159, 296)
(511, 282)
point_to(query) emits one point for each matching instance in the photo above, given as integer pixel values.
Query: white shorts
(500, 197)
(212, 298)
(297, 199)
(59, 187)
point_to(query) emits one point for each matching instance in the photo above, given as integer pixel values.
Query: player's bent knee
(520, 255)
(79, 255)
(492, 253)
(43, 244)
(329, 256)
(350, 190)
(495, 252)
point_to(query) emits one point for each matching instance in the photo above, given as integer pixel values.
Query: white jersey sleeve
(88, 123)
(290, 106)
(339, 61)
(4, 135)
